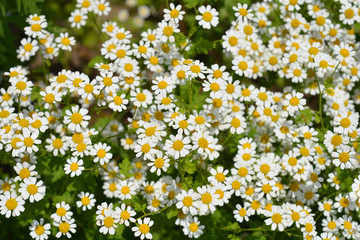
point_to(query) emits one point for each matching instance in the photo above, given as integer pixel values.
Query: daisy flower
(294, 102)
(177, 146)
(88, 90)
(32, 190)
(118, 103)
(62, 213)
(51, 96)
(241, 213)
(242, 65)
(278, 218)
(24, 170)
(102, 7)
(11, 204)
(78, 18)
(56, 145)
(344, 156)
(39, 230)
(159, 163)
(143, 230)
(166, 30)
(208, 198)
(66, 227)
(345, 53)
(126, 214)
(126, 189)
(28, 141)
(74, 167)
(192, 228)
(85, 5)
(188, 201)
(174, 13)
(21, 86)
(102, 153)
(242, 11)
(65, 41)
(76, 118)
(27, 49)
(36, 28)
(209, 17)
(87, 201)
(141, 98)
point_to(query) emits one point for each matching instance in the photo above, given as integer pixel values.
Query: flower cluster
(196, 137)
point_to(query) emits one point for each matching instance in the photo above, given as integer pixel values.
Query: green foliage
(125, 168)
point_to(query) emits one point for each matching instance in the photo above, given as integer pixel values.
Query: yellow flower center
(76, 118)
(11, 204)
(206, 198)
(39, 230)
(64, 227)
(193, 227)
(159, 163)
(207, 16)
(108, 222)
(85, 200)
(32, 189)
(28, 47)
(178, 145)
(21, 85)
(344, 157)
(125, 215)
(74, 167)
(125, 190)
(276, 218)
(101, 153)
(187, 201)
(61, 211)
(168, 31)
(144, 228)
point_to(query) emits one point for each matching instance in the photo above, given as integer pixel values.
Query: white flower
(76, 118)
(66, 227)
(11, 204)
(102, 153)
(87, 201)
(39, 230)
(143, 230)
(74, 166)
(32, 190)
(209, 17)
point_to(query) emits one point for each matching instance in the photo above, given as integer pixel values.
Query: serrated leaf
(125, 167)
(97, 59)
(256, 236)
(172, 212)
(192, 3)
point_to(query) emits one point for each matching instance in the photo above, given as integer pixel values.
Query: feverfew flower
(209, 17)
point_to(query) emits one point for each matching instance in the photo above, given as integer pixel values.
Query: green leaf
(235, 227)
(203, 46)
(172, 212)
(317, 118)
(256, 236)
(97, 59)
(305, 116)
(192, 3)
(125, 167)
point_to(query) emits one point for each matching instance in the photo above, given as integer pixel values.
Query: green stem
(111, 118)
(320, 101)
(190, 96)
(19, 99)
(152, 213)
